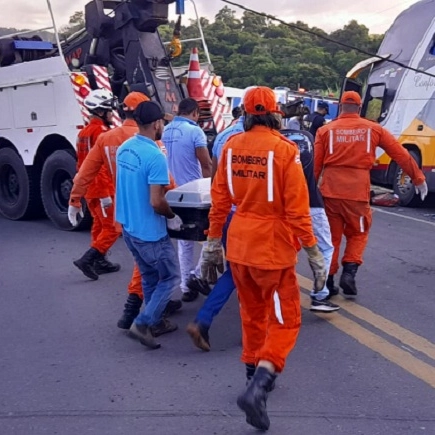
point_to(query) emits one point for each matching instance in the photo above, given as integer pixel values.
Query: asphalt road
(66, 369)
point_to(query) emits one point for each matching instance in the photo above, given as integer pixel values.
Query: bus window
(374, 105)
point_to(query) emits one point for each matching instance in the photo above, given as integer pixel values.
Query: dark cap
(148, 112)
(323, 105)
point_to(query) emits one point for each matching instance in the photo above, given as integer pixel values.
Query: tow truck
(43, 85)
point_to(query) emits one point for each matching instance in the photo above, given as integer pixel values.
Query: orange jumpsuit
(103, 156)
(103, 233)
(344, 153)
(260, 172)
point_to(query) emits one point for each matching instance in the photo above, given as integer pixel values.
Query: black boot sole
(255, 415)
(349, 291)
(104, 271)
(125, 324)
(89, 273)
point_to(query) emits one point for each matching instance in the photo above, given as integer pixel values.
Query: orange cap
(260, 100)
(133, 99)
(351, 97)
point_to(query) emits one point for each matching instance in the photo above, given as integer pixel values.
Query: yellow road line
(403, 359)
(405, 336)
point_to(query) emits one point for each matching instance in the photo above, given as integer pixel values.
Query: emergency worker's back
(345, 151)
(266, 182)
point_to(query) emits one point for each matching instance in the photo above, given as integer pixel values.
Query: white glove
(422, 190)
(106, 202)
(174, 223)
(73, 212)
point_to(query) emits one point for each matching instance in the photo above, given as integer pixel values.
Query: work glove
(317, 264)
(212, 260)
(106, 202)
(422, 190)
(174, 223)
(73, 212)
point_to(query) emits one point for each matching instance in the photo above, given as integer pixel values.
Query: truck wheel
(56, 184)
(404, 187)
(19, 194)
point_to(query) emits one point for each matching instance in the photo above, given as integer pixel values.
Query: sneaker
(199, 335)
(323, 306)
(143, 334)
(189, 296)
(163, 327)
(198, 285)
(172, 307)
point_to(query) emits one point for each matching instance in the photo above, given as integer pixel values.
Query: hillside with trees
(253, 50)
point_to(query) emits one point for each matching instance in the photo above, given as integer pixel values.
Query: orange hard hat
(133, 99)
(351, 97)
(260, 100)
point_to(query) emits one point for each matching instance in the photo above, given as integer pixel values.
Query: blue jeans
(158, 265)
(221, 291)
(323, 234)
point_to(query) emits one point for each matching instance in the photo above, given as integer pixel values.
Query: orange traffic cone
(194, 86)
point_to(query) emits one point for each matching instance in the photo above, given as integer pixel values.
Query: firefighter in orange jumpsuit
(260, 172)
(103, 155)
(99, 195)
(344, 153)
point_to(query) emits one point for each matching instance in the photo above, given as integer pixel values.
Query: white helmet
(99, 99)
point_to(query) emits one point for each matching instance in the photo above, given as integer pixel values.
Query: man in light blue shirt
(188, 160)
(142, 209)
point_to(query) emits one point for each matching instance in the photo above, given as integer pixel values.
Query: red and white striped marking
(80, 99)
(219, 105)
(102, 78)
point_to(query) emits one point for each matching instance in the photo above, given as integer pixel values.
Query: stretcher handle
(187, 226)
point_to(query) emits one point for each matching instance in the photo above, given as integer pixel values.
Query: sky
(329, 15)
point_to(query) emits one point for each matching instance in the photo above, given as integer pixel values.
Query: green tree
(76, 22)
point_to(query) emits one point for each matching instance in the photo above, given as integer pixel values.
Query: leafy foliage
(252, 50)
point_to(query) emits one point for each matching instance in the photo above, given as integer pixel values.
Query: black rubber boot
(347, 280)
(86, 263)
(333, 289)
(103, 265)
(253, 401)
(131, 311)
(250, 371)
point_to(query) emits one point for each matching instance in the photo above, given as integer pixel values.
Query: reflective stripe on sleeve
(331, 141)
(229, 172)
(107, 151)
(270, 176)
(369, 139)
(361, 223)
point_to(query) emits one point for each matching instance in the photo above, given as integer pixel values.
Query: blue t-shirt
(223, 136)
(139, 164)
(181, 138)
